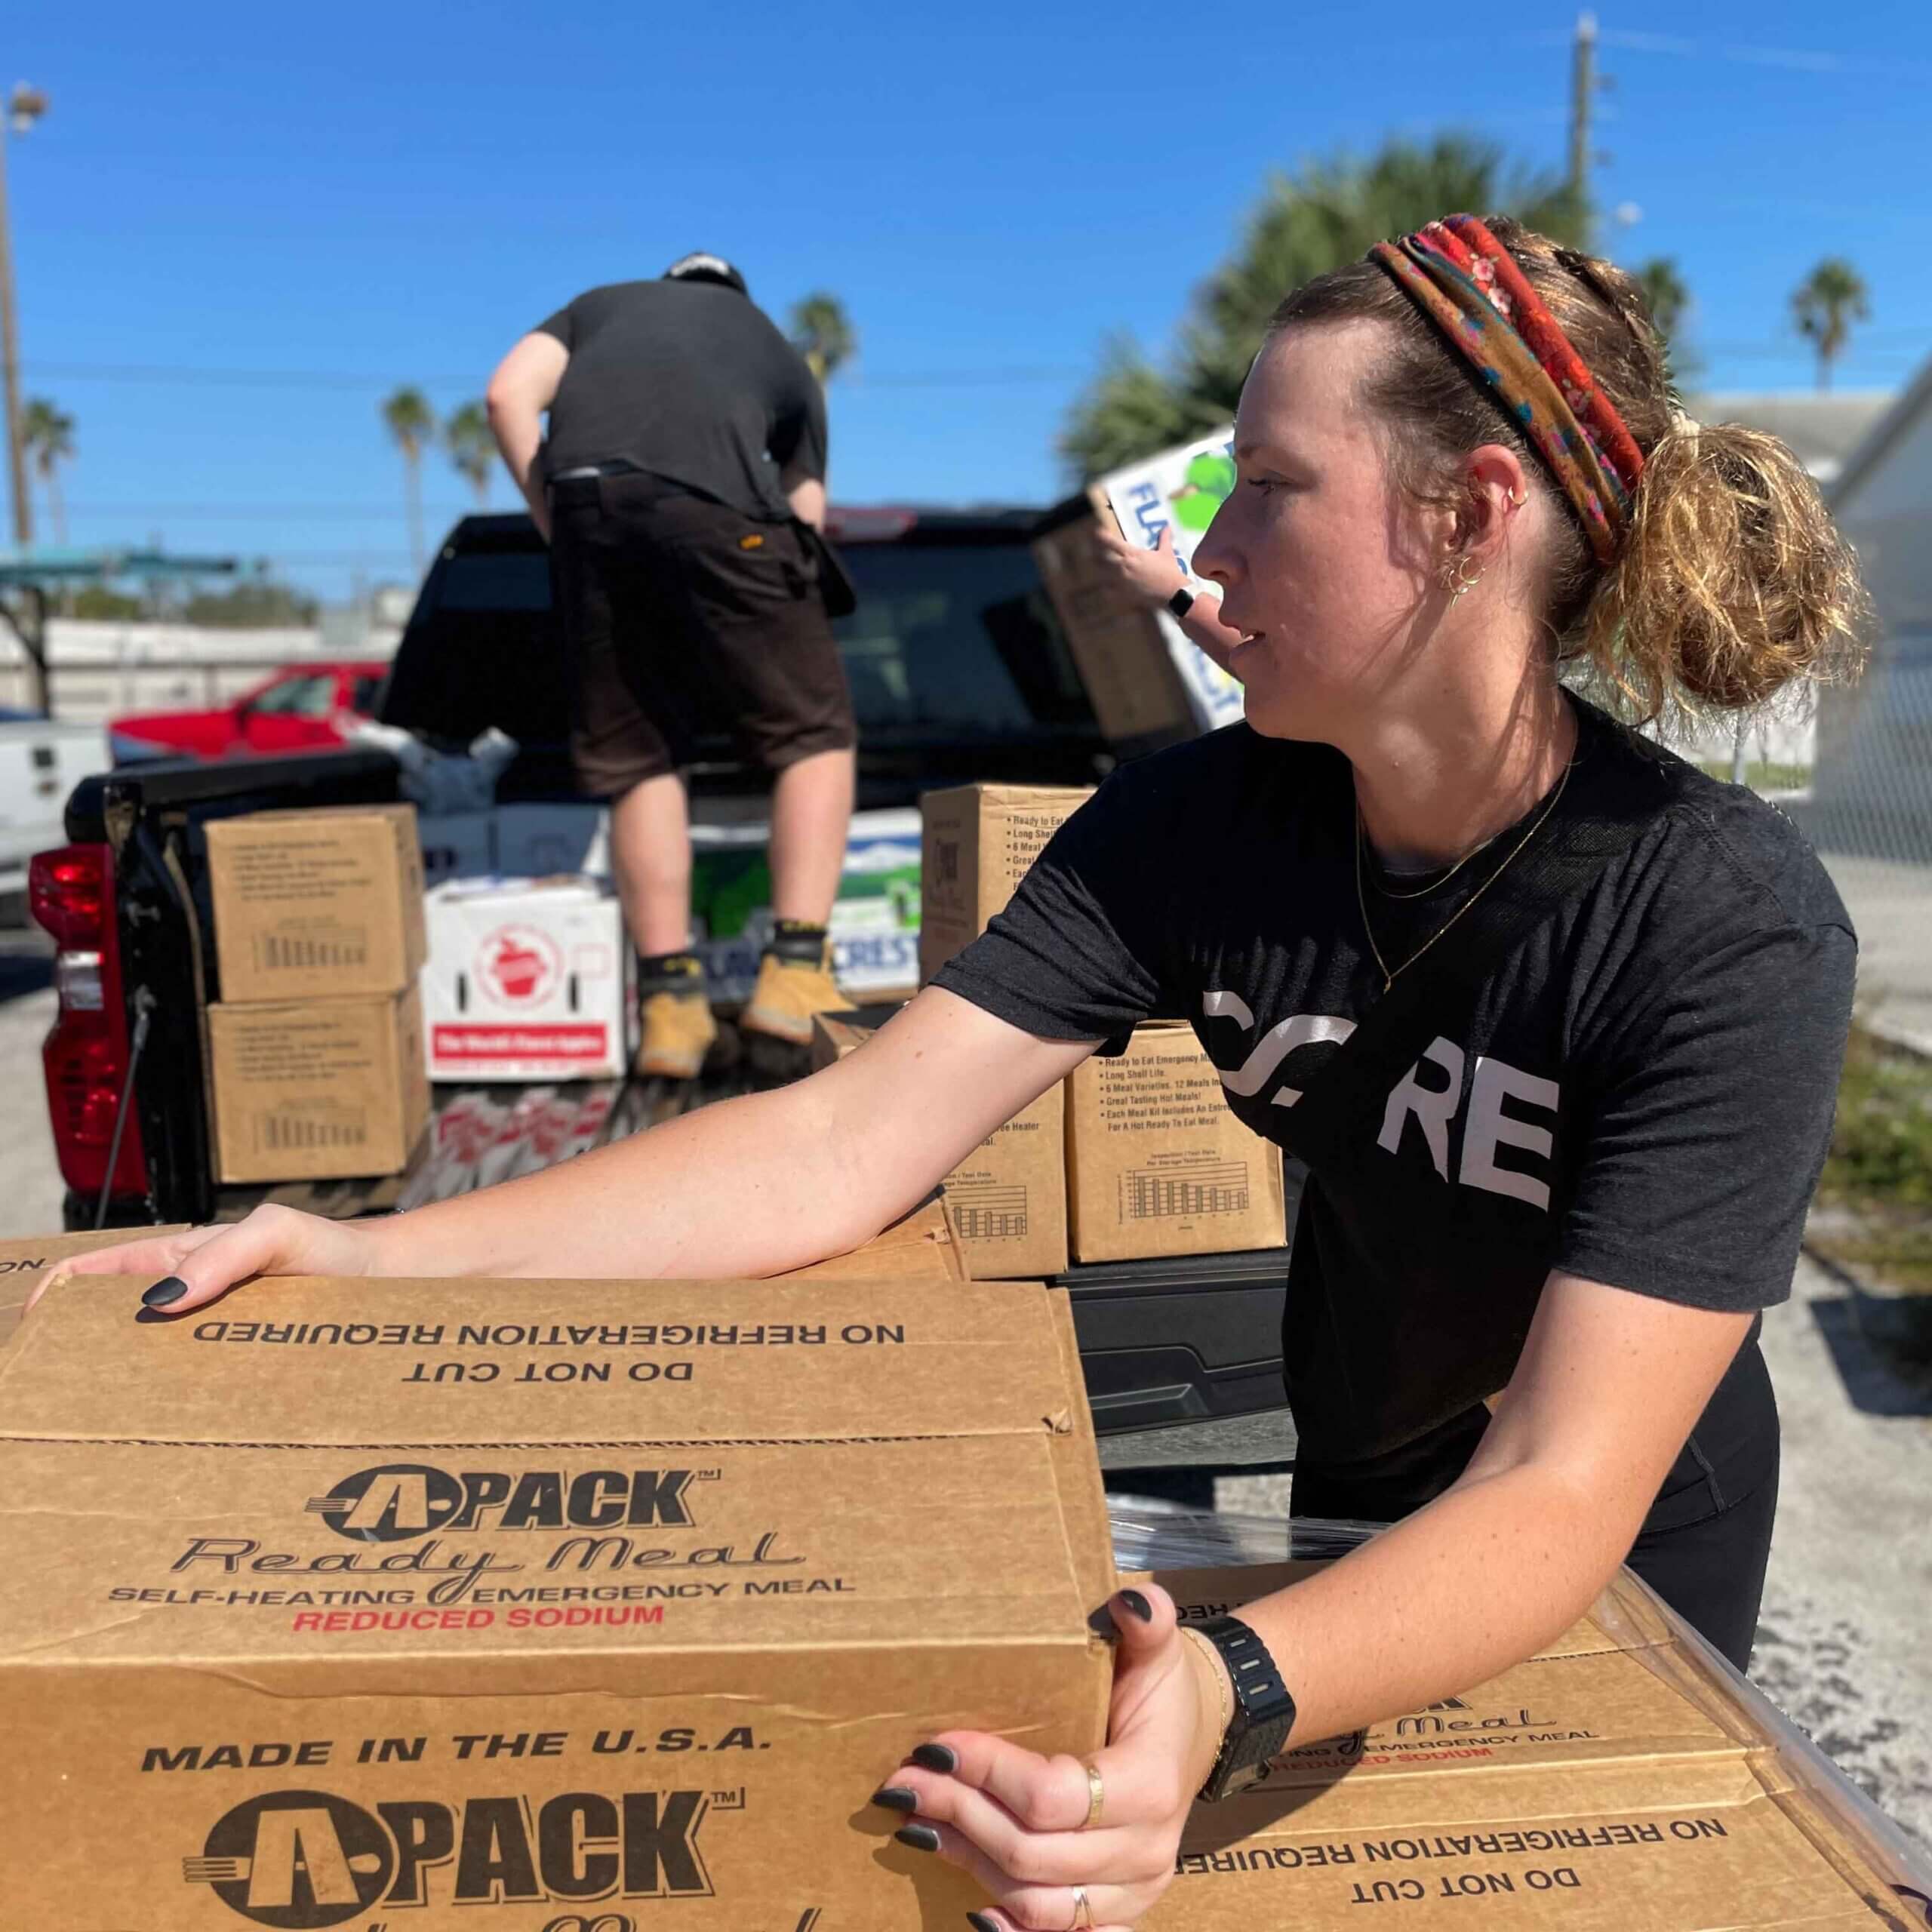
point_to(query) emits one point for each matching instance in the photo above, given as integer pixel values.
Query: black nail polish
(980, 1922)
(896, 1798)
(921, 1838)
(1138, 1604)
(1102, 1623)
(936, 1757)
(169, 1289)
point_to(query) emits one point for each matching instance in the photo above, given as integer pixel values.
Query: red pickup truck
(302, 708)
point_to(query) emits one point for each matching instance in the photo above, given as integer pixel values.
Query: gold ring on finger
(1083, 1912)
(1096, 1797)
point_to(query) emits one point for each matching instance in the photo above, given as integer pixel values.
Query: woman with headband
(1601, 1000)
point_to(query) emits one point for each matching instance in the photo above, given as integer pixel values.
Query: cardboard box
(979, 842)
(26, 1263)
(1155, 1162)
(318, 1089)
(1007, 1199)
(331, 1617)
(1616, 1783)
(922, 1246)
(324, 903)
(457, 845)
(1118, 645)
(527, 979)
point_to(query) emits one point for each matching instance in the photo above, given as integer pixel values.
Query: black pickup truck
(959, 672)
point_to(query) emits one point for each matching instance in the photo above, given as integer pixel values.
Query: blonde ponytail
(1733, 584)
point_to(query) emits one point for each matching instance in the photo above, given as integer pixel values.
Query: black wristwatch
(1182, 601)
(1264, 1711)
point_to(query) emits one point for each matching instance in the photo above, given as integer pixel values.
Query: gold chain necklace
(1362, 898)
(1434, 885)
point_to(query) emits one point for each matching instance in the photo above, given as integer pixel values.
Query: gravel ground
(1843, 1645)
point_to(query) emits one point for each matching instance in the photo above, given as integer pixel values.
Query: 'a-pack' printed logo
(397, 1501)
(300, 1861)
(519, 965)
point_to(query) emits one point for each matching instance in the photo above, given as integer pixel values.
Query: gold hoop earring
(1519, 497)
(1460, 575)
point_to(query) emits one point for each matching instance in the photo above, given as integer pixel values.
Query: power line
(1797, 60)
(276, 513)
(345, 379)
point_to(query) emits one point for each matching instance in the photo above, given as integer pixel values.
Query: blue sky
(363, 195)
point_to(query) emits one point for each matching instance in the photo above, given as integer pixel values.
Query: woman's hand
(193, 1270)
(1018, 1822)
(1153, 576)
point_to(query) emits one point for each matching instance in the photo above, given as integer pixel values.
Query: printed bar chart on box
(1152, 1193)
(985, 1211)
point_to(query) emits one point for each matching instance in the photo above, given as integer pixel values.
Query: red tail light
(71, 892)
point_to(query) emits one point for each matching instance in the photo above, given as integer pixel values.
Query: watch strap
(1264, 1712)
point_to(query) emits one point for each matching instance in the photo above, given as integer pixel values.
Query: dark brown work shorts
(684, 619)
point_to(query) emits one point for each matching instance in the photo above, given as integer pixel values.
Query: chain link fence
(1867, 809)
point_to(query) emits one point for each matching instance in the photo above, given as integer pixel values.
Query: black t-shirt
(1639, 1092)
(691, 381)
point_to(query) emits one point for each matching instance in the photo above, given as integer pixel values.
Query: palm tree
(823, 334)
(47, 435)
(473, 448)
(1328, 214)
(412, 422)
(1667, 296)
(1826, 304)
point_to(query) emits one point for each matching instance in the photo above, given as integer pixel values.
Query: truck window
(954, 642)
(311, 696)
(501, 580)
(957, 639)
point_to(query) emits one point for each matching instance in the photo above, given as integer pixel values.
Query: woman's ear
(1497, 489)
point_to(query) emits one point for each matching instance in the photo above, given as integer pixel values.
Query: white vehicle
(41, 760)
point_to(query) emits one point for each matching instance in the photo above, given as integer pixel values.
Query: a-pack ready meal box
(1619, 1781)
(499, 1606)
(322, 903)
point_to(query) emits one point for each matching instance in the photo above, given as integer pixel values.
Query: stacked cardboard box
(1154, 1162)
(527, 979)
(977, 843)
(331, 1617)
(315, 1038)
(1157, 1164)
(1007, 1198)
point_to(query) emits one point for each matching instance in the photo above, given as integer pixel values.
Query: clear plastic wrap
(1151, 1535)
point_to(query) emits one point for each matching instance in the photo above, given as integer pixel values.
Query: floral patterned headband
(1469, 285)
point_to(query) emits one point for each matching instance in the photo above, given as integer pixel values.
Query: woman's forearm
(750, 1186)
(1482, 1578)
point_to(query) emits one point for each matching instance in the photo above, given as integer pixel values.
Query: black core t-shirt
(690, 381)
(1639, 1091)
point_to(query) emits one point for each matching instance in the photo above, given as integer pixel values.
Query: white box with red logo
(527, 980)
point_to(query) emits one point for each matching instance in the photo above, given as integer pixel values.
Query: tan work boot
(793, 984)
(678, 1029)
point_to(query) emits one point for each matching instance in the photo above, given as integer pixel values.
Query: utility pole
(1582, 85)
(24, 108)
